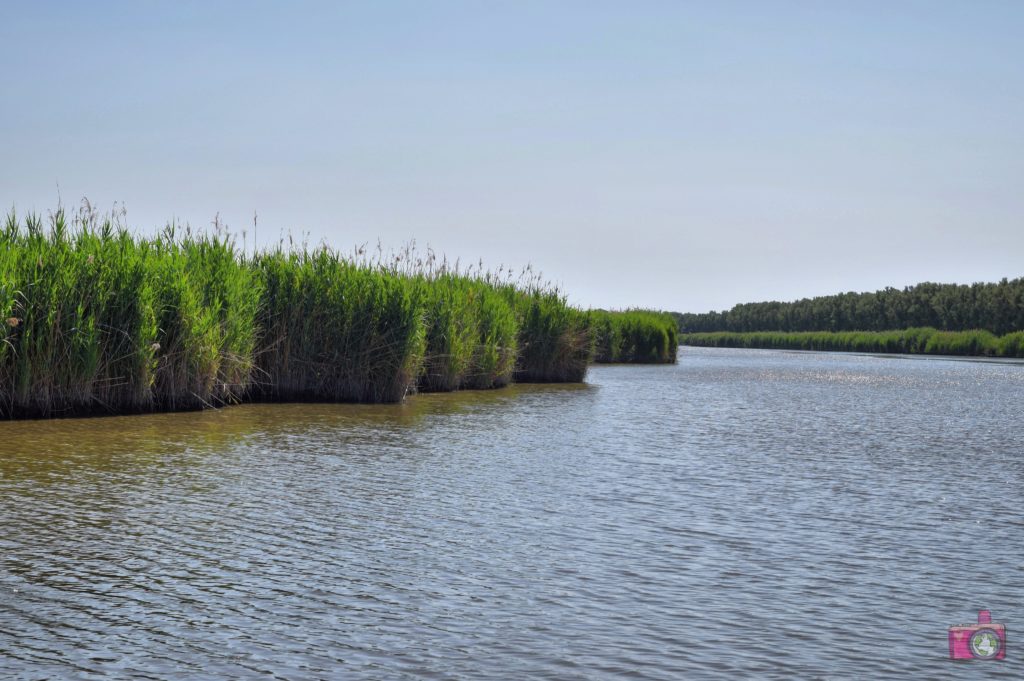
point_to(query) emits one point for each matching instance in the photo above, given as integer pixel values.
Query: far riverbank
(922, 340)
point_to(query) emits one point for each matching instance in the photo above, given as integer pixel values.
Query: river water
(744, 514)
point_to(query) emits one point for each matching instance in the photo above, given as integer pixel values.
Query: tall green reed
(471, 334)
(94, 319)
(555, 343)
(634, 336)
(334, 330)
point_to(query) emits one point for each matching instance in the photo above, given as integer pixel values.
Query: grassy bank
(94, 319)
(923, 340)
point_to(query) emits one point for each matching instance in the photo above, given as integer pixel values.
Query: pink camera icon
(982, 641)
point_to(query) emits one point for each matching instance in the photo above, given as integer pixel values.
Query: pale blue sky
(678, 155)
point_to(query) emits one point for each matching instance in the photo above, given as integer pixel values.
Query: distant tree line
(997, 307)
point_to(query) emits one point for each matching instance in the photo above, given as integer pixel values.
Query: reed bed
(332, 330)
(555, 343)
(921, 340)
(471, 334)
(96, 319)
(634, 336)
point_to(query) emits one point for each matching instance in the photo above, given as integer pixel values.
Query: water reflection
(49, 449)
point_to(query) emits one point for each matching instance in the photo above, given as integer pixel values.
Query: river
(743, 514)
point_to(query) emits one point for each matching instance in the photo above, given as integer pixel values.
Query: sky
(676, 155)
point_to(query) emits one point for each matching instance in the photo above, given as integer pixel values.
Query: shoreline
(979, 359)
(922, 341)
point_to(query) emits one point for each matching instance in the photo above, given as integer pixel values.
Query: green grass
(98, 320)
(636, 336)
(333, 330)
(62, 298)
(471, 334)
(555, 343)
(207, 301)
(495, 349)
(922, 340)
(95, 319)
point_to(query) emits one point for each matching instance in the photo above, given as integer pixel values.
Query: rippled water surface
(743, 514)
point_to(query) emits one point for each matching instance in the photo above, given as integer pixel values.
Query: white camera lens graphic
(984, 644)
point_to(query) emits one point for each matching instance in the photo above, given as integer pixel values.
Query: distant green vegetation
(640, 336)
(94, 319)
(922, 340)
(998, 308)
(939, 319)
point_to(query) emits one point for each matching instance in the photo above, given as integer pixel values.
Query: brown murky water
(745, 513)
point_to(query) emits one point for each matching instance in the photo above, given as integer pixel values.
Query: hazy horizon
(679, 156)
